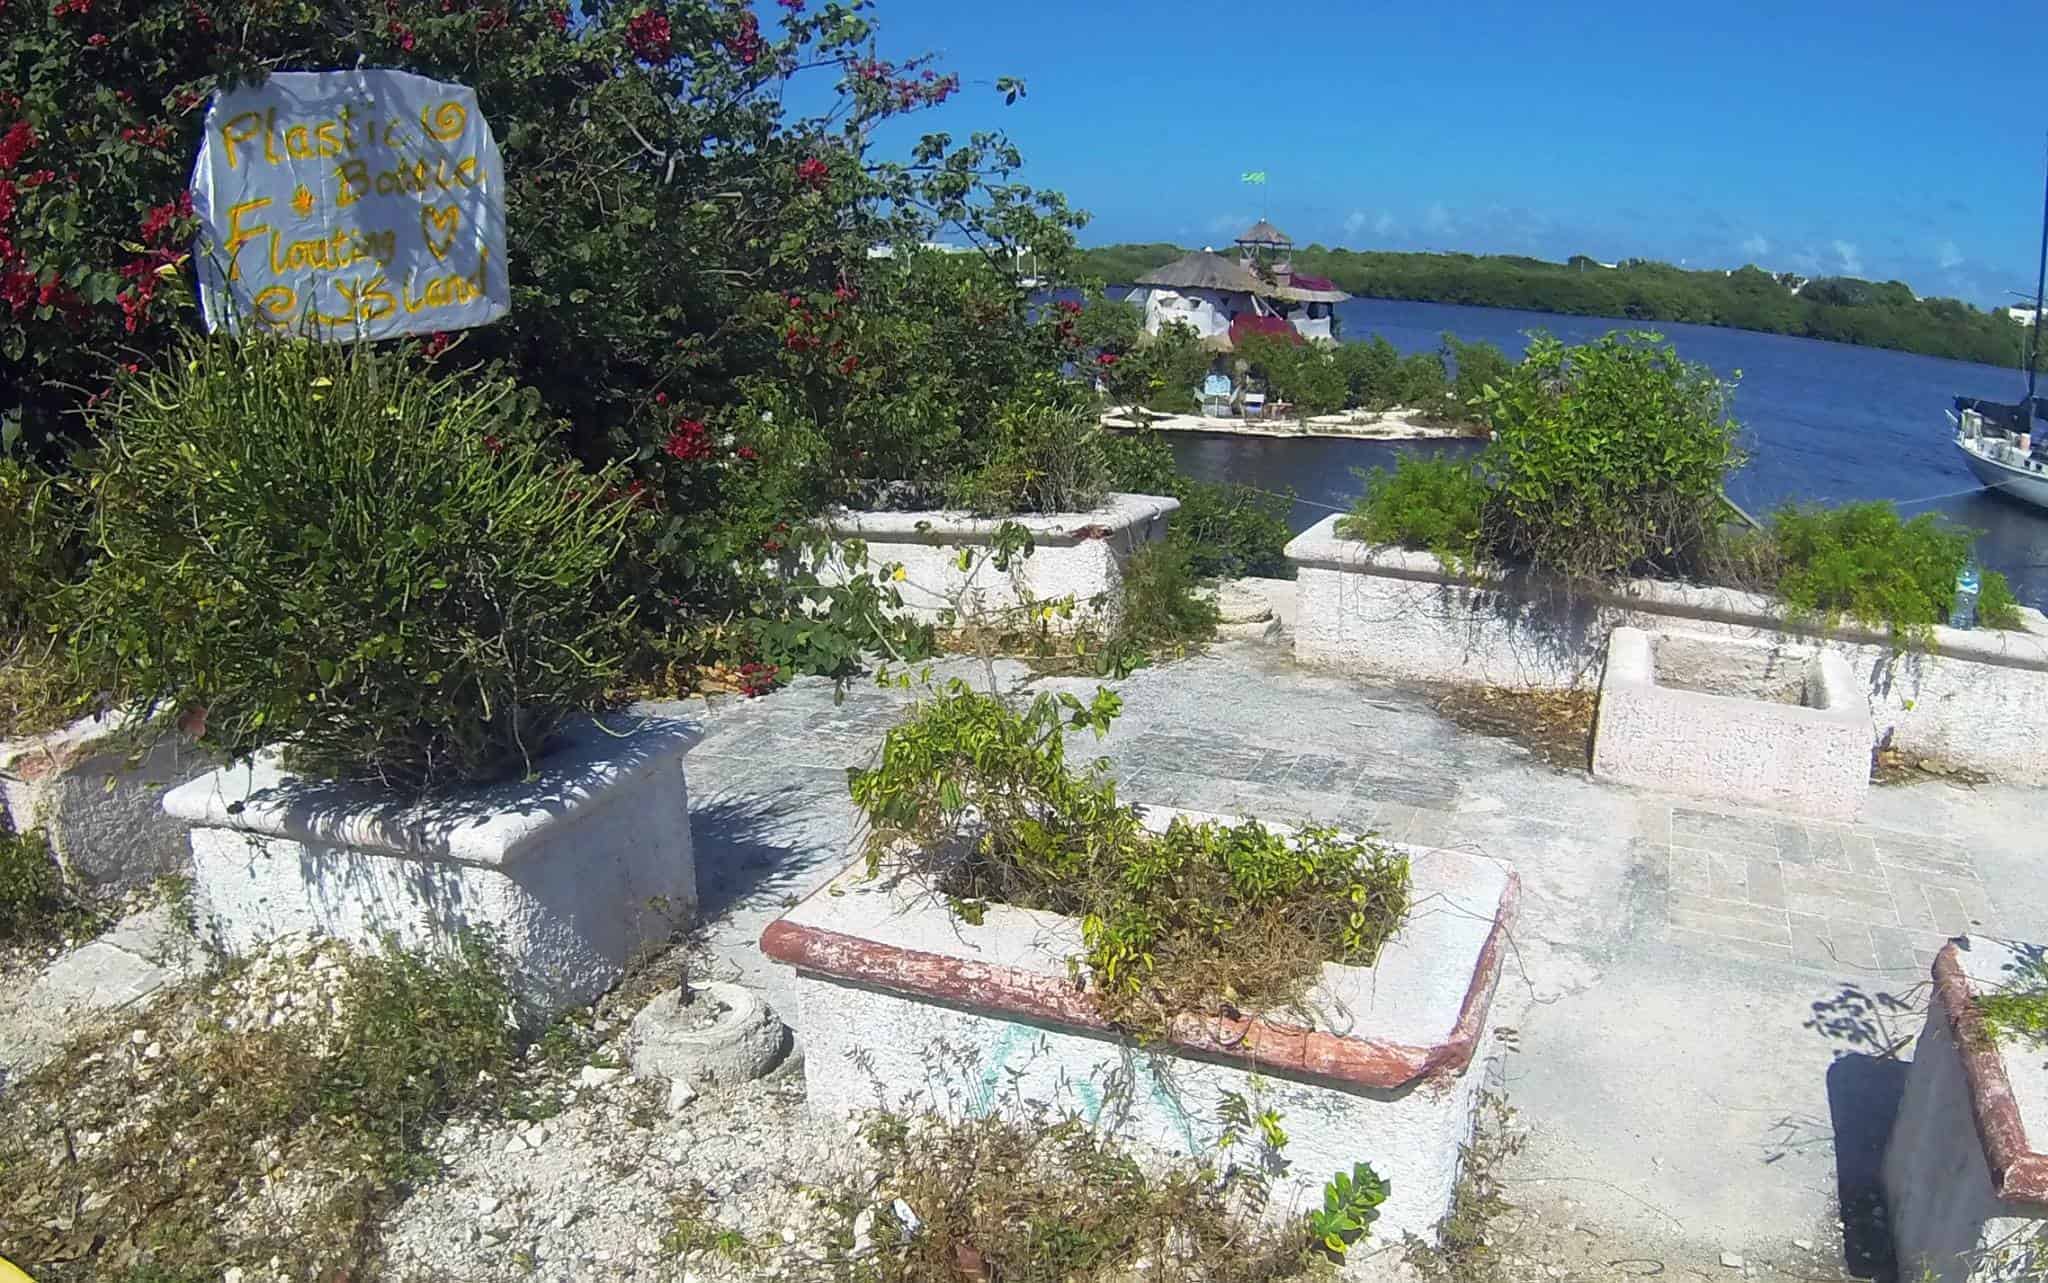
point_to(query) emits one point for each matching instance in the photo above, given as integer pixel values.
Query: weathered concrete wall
(96, 791)
(1787, 757)
(575, 870)
(900, 1004)
(1079, 555)
(1965, 1181)
(1978, 699)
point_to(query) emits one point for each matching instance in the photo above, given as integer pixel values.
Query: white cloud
(1756, 247)
(1385, 225)
(1437, 218)
(1949, 255)
(1353, 222)
(1851, 260)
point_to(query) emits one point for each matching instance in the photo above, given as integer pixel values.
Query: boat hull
(2020, 483)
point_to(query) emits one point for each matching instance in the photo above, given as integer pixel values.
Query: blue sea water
(1825, 421)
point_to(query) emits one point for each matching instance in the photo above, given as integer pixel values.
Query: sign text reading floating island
(350, 205)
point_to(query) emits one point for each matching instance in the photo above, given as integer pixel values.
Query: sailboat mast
(2040, 287)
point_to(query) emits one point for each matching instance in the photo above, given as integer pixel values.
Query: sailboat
(2006, 446)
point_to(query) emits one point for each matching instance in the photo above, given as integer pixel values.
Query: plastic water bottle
(1964, 613)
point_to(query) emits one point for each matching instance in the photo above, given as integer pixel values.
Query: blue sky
(1881, 139)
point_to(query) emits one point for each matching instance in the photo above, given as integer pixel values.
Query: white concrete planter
(96, 791)
(1966, 1169)
(1076, 555)
(900, 1003)
(575, 869)
(1979, 698)
(1734, 721)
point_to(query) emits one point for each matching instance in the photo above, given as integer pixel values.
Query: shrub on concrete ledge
(384, 570)
(1861, 561)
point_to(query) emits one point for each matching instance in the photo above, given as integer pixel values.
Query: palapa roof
(1264, 233)
(1203, 270)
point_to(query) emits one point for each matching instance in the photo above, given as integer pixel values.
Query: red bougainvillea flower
(758, 679)
(438, 344)
(63, 7)
(559, 19)
(401, 33)
(162, 220)
(689, 440)
(648, 37)
(849, 365)
(746, 44)
(661, 398)
(18, 141)
(1069, 306)
(97, 39)
(1107, 358)
(492, 444)
(844, 294)
(39, 177)
(813, 173)
(794, 6)
(748, 453)
(19, 289)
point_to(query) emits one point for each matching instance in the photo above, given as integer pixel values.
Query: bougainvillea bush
(693, 287)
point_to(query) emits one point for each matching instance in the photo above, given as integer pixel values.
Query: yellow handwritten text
(345, 133)
(331, 252)
(414, 179)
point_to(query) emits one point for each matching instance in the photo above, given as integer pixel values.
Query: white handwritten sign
(350, 205)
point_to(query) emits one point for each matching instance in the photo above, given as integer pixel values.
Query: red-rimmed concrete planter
(1978, 698)
(901, 1004)
(95, 789)
(1728, 720)
(1966, 1169)
(575, 870)
(1077, 555)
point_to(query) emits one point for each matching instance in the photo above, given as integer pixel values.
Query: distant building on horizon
(2022, 315)
(1259, 293)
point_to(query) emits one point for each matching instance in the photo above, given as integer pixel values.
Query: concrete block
(901, 1004)
(725, 1035)
(1966, 1169)
(1760, 725)
(1077, 555)
(1975, 698)
(96, 790)
(576, 869)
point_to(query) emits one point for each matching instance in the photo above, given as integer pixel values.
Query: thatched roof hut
(1203, 270)
(1263, 235)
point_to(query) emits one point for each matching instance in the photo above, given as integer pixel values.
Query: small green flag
(1255, 176)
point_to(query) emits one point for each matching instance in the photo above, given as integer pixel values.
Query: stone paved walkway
(1704, 1006)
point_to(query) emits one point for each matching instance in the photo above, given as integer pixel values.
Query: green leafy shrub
(1478, 366)
(34, 901)
(977, 796)
(1351, 1203)
(1228, 531)
(1305, 375)
(1161, 614)
(384, 569)
(1430, 503)
(1608, 459)
(37, 544)
(1162, 372)
(1371, 372)
(1861, 561)
(1046, 454)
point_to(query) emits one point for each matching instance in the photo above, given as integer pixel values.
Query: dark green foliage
(976, 794)
(2018, 1011)
(1304, 375)
(1861, 561)
(1371, 369)
(1045, 454)
(1351, 1203)
(37, 543)
(1839, 308)
(1162, 372)
(1477, 367)
(389, 570)
(1608, 459)
(1432, 503)
(34, 901)
(1161, 616)
(1229, 531)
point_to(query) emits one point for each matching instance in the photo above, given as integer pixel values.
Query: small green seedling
(1350, 1205)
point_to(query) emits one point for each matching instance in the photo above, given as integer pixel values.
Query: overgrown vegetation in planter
(1049, 1200)
(388, 570)
(976, 797)
(278, 1111)
(1227, 531)
(1610, 459)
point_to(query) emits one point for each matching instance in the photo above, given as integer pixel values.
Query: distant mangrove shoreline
(1842, 309)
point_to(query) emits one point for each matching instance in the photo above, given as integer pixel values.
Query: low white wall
(1075, 554)
(1964, 1176)
(575, 870)
(96, 789)
(900, 1005)
(1979, 698)
(1805, 760)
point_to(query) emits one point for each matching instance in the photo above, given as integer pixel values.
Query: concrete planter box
(1966, 1170)
(900, 1003)
(1979, 698)
(1735, 721)
(1078, 555)
(576, 870)
(96, 791)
